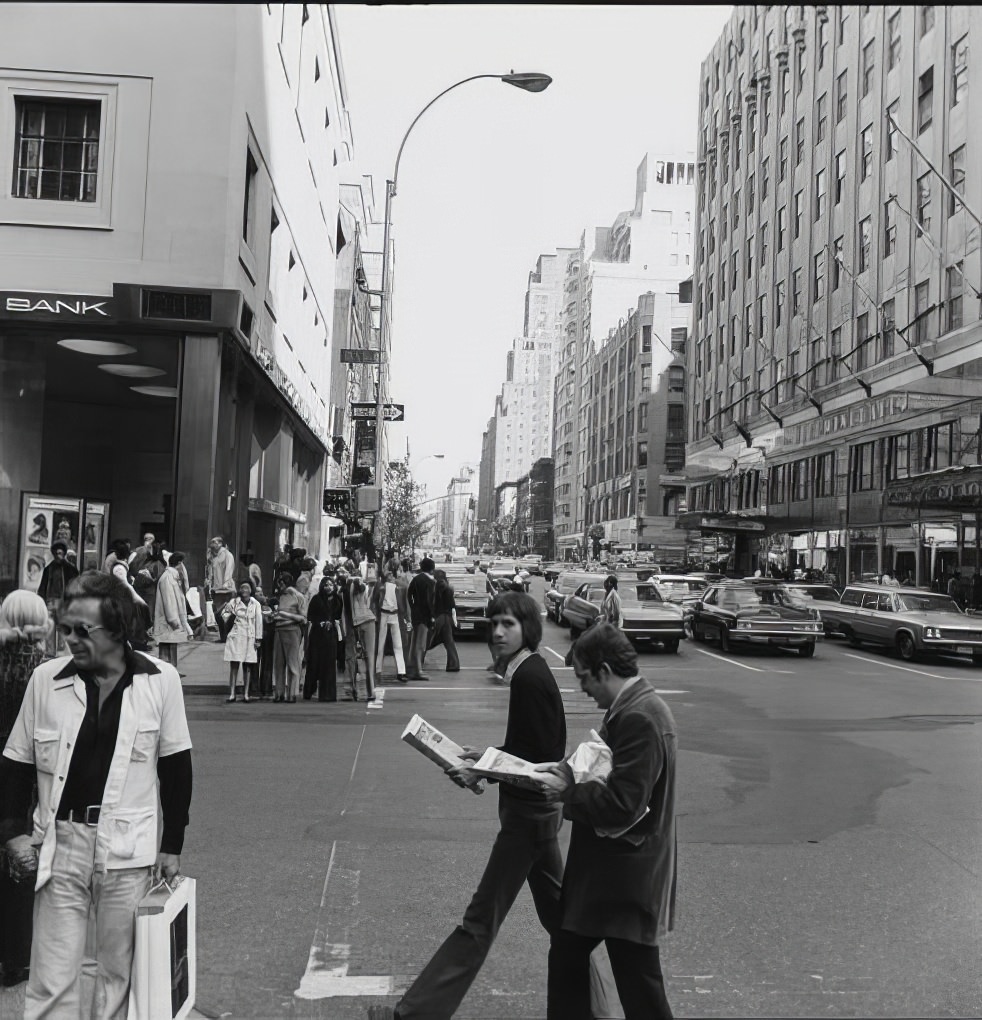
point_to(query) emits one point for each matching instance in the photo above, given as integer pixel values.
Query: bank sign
(65, 308)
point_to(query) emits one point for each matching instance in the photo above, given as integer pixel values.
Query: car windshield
(754, 598)
(927, 603)
(639, 593)
(819, 593)
(680, 587)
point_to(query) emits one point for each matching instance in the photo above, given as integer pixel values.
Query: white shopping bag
(162, 985)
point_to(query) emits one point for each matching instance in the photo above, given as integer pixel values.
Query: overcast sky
(492, 176)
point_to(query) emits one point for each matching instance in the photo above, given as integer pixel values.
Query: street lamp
(528, 82)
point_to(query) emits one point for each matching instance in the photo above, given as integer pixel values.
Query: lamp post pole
(528, 82)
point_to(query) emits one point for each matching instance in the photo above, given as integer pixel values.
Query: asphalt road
(828, 840)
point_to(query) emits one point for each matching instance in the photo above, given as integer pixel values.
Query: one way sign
(390, 412)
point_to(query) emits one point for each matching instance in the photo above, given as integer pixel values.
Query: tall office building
(170, 214)
(834, 362)
(648, 248)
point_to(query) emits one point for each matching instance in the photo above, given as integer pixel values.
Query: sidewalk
(202, 666)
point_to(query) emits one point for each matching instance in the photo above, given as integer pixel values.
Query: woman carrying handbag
(244, 616)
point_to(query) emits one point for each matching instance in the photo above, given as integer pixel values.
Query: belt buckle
(89, 820)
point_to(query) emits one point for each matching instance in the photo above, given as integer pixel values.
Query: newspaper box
(163, 979)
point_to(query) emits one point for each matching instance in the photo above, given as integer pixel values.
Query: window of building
(865, 467)
(818, 277)
(796, 295)
(866, 150)
(924, 201)
(862, 355)
(56, 149)
(927, 20)
(763, 246)
(643, 416)
(643, 454)
(824, 474)
(785, 90)
(840, 175)
(888, 331)
(765, 169)
(676, 379)
(956, 175)
(889, 228)
(821, 117)
(837, 262)
(750, 195)
(843, 15)
(776, 483)
(646, 378)
(868, 67)
(822, 39)
(799, 480)
(922, 293)
(778, 302)
(959, 70)
(834, 366)
(249, 199)
(799, 142)
(799, 205)
(781, 227)
(893, 41)
(865, 235)
(954, 284)
(925, 100)
(841, 97)
(748, 325)
(893, 111)
(782, 165)
(748, 265)
(736, 209)
(820, 189)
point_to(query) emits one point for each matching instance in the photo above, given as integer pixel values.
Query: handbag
(164, 975)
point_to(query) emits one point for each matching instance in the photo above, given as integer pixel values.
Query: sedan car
(743, 613)
(532, 563)
(550, 571)
(908, 620)
(471, 600)
(505, 570)
(645, 616)
(681, 589)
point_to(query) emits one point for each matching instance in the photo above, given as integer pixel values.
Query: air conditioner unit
(368, 499)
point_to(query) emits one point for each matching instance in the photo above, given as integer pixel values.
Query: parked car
(909, 620)
(566, 583)
(646, 617)
(744, 613)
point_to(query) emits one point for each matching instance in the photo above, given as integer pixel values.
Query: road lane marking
(430, 687)
(326, 976)
(554, 652)
(723, 658)
(907, 669)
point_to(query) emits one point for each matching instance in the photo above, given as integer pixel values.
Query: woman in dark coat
(321, 653)
(444, 618)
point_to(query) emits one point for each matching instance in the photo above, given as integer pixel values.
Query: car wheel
(671, 647)
(724, 639)
(906, 648)
(807, 650)
(854, 641)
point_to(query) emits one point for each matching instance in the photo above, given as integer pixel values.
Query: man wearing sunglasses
(104, 734)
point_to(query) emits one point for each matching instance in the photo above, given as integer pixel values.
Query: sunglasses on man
(80, 630)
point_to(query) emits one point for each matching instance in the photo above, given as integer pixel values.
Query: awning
(697, 520)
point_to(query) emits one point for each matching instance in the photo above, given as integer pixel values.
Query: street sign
(359, 356)
(390, 412)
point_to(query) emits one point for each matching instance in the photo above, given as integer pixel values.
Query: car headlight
(743, 624)
(932, 632)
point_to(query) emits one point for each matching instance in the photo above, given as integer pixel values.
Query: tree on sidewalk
(402, 526)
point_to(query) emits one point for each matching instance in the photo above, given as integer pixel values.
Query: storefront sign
(55, 307)
(936, 493)
(730, 525)
(268, 506)
(867, 412)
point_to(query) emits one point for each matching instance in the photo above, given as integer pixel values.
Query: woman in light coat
(244, 637)
(170, 614)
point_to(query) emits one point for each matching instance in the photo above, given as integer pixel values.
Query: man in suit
(420, 594)
(619, 883)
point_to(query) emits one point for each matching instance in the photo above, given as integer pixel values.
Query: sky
(492, 177)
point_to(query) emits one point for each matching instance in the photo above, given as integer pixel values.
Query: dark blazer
(420, 597)
(624, 887)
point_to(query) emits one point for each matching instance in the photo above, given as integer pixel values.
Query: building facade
(834, 360)
(168, 225)
(648, 248)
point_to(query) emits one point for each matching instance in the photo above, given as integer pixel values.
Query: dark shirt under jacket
(421, 595)
(443, 601)
(536, 728)
(88, 770)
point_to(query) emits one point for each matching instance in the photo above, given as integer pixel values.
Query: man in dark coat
(420, 595)
(619, 884)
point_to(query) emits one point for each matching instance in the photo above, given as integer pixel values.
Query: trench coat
(170, 607)
(624, 887)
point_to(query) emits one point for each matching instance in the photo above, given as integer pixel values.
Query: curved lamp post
(528, 82)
